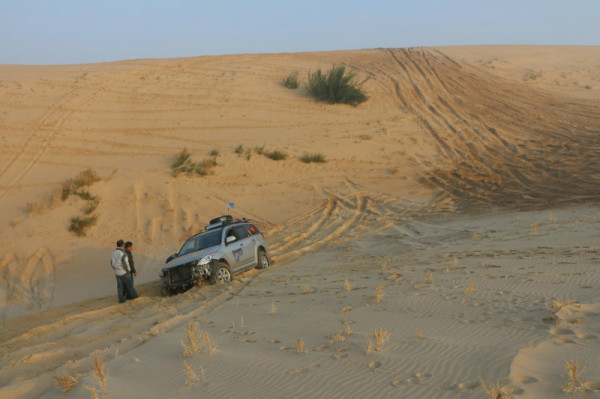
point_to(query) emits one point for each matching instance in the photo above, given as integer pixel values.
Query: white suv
(227, 247)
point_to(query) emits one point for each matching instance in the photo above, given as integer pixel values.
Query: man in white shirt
(120, 265)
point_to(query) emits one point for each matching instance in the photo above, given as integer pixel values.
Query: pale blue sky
(78, 31)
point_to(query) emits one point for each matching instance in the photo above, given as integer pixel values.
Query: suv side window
(242, 232)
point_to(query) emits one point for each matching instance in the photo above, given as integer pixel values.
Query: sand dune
(466, 189)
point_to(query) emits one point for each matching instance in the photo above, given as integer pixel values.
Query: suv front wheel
(221, 272)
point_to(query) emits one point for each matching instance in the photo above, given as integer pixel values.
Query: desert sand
(456, 215)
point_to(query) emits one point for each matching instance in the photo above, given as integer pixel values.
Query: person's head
(120, 243)
(129, 245)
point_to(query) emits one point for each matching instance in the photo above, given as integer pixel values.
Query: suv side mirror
(230, 239)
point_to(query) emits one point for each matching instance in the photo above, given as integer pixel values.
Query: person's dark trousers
(125, 287)
(127, 294)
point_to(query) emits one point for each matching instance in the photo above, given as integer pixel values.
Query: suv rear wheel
(221, 272)
(263, 261)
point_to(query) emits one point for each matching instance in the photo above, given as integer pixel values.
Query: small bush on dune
(183, 164)
(291, 82)
(316, 157)
(73, 186)
(335, 86)
(276, 155)
(79, 225)
(239, 149)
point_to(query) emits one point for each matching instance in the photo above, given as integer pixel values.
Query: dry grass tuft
(429, 277)
(338, 336)
(534, 227)
(92, 391)
(419, 334)
(347, 285)
(305, 289)
(299, 345)
(198, 342)
(348, 330)
(101, 373)
(381, 336)
(273, 308)
(470, 289)
(574, 371)
(192, 378)
(346, 309)
(494, 391)
(378, 293)
(65, 382)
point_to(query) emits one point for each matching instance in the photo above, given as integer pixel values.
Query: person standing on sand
(120, 264)
(128, 249)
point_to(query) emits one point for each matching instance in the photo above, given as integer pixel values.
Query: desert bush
(83, 179)
(214, 152)
(574, 371)
(276, 155)
(315, 157)
(291, 82)
(90, 206)
(239, 149)
(300, 345)
(198, 342)
(80, 224)
(335, 86)
(183, 164)
(381, 336)
(259, 149)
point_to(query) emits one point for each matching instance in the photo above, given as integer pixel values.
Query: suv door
(243, 248)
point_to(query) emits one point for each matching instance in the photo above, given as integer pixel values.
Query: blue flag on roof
(230, 205)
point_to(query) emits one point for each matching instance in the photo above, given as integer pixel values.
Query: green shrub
(335, 86)
(316, 157)
(214, 152)
(90, 206)
(80, 225)
(291, 82)
(239, 149)
(259, 149)
(183, 164)
(85, 195)
(276, 155)
(83, 179)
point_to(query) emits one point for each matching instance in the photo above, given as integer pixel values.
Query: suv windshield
(201, 242)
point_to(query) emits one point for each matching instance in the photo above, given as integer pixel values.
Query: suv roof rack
(223, 221)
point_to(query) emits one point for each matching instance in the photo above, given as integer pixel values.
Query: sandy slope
(449, 168)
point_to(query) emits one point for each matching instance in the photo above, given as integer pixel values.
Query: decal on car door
(237, 254)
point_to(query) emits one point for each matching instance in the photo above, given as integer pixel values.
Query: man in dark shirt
(128, 249)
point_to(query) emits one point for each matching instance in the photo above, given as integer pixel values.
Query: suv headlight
(205, 260)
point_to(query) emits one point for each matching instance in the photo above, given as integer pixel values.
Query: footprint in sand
(523, 378)
(374, 365)
(469, 385)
